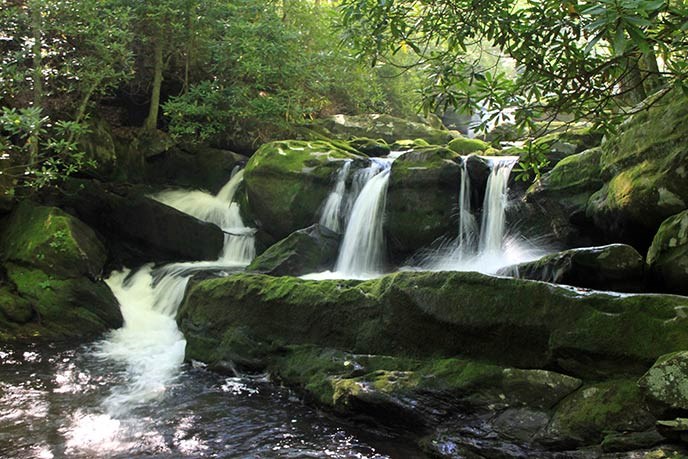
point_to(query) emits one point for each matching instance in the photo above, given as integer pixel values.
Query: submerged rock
(508, 321)
(309, 250)
(288, 181)
(645, 167)
(617, 267)
(421, 199)
(385, 127)
(50, 287)
(667, 258)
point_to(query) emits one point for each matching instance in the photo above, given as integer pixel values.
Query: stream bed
(53, 404)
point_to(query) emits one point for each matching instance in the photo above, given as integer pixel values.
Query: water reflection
(51, 406)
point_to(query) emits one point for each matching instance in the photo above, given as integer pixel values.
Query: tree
(587, 58)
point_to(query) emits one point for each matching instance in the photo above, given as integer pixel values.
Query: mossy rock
(554, 207)
(465, 146)
(309, 250)
(370, 147)
(421, 199)
(617, 267)
(596, 410)
(645, 167)
(667, 258)
(666, 383)
(61, 308)
(99, 146)
(51, 240)
(511, 322)
(376, 126)
(288, 181)
(562, 144)
(15, 309)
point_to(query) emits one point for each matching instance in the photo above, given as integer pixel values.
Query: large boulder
(465, 146)
(193, 166)
(667, 258)
(309, 250)
(422, 198)
(50, 287)
(139, 229)
(561, 144)
(616, 267)
(385, 127)
(509, 321)
(666, 383)
(287, 182)
(644, 167)
(554, 207)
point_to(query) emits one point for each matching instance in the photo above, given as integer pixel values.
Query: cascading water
(494, 206)
(332, 214)
(149, 344)
(362, 249)
(468, 227)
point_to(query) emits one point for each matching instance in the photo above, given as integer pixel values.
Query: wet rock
(139, 229)
(617, 267)
(562, 144)
(422, 197)
(464, 146)
(287, 183)
(309, 250)
(644, 168)
(370, 147)
(667, 258)
(666, 383)
(193, 166)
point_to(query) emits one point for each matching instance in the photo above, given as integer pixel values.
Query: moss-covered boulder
(554, 207)
(666, 383)
(370, 147)
(288, 181)
(309, 250)
(465, 146)
(596, 410)
(667, 258)
(385, 127)
(645, 167)
(616, 267)
(509, 321)
(50, 287)
(51, 240)
(193, 166)
(422, 198)
(558, 145)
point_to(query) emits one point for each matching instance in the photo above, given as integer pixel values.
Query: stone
(139, 229)
(422, 195)
(377, 126)
(370, 147)
(645, 168)
(464, 146)
(666, 383)
(287, 182)
(511, 322)
(193, 166)
(312, 249)
(667, 258)
(561, 144)
(554, 207)
(617, 267)
(51, 240)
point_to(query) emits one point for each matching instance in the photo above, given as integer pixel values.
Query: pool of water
(56, 402)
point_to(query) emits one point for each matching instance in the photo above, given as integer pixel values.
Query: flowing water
(332, 214)
(131, 395)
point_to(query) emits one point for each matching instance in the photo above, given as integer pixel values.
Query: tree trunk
(653, 81)
(152, 119)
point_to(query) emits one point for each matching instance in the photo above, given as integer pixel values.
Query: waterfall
(334, 205)
(149, 345)
(468, 228)
(362, 251)
(494, 206)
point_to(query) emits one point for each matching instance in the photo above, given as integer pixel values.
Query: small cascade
(362, 249)
(149, 344)
(468, 227)
(494, 206)
(332, 214)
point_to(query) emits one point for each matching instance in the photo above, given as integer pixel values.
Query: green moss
(464, 146)
(370, 147)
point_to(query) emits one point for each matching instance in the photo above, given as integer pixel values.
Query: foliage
(587, 58)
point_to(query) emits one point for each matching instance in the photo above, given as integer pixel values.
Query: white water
(149, 345)
(332, 213)
(488, 248)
